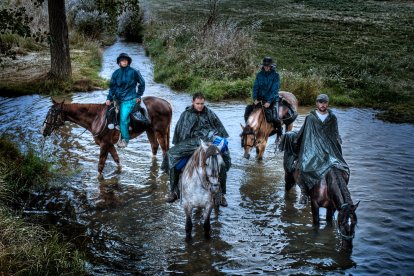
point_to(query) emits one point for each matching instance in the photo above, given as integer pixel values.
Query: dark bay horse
(331, 192)
(257, 130)
(93, 118)
(199, 184)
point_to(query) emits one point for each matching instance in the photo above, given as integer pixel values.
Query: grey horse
(200, 184)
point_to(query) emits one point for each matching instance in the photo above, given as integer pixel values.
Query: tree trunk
(59, 41)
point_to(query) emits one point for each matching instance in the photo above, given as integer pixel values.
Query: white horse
(200, 184)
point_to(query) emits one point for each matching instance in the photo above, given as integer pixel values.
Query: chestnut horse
(331, 192)
(92, 117)
(257, 130)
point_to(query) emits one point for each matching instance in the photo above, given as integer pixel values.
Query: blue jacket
(123, 84)
(266, 86)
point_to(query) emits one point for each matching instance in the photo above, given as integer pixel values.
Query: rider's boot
(223, 179)
(174, 191)
(223, 201)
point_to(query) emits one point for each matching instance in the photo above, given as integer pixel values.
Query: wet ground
(126, 228)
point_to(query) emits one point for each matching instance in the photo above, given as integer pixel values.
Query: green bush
(21, 173)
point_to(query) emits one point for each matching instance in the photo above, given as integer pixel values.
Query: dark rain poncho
(320, 149)
(191, 127)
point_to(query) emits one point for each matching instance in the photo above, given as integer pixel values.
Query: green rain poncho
(191, 127)
(319, 148)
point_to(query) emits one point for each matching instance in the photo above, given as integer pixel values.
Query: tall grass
(27, 249)
(215, 60)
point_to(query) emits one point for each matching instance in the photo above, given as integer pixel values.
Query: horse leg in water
(164, 140)
(188, 222)
(115, 156)
(262, 147)
(329, 214)
(103, 155)
(153, 141)
(206, 224)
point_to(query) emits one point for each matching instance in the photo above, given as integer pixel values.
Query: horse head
(248, 139)
(347, 220)
(54, 119)
(212, 161)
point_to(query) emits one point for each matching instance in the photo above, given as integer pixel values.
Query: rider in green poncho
(319, 144)
(195, 123)
(315, 149)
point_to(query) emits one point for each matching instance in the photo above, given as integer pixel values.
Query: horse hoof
(118, 169)
(100, 176)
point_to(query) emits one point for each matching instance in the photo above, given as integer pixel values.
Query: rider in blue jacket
(123, 88)
(266, 88)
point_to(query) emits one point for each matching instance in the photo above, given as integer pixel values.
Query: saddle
(139, 116)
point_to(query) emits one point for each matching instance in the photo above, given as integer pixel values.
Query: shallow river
(125, 227)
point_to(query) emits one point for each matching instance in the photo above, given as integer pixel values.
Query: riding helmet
(267, 61)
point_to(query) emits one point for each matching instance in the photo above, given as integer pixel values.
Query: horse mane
(194, 161)
(202, 155)
(88, 107)
(254, 119)
(340, 180)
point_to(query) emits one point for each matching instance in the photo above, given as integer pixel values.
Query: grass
(27, 249)
(358, 52)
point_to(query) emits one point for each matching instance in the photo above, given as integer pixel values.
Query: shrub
(21, 173)
(130, 26)
(91, 23)
(305, 87)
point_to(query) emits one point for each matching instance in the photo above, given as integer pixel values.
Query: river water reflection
(128, 228)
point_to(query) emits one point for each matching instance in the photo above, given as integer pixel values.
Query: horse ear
(53, 101)
(356, 205)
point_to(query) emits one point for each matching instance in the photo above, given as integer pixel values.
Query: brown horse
(331, 192)
(257, 130)
(93, 118)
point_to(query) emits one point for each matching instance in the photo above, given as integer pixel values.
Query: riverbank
(27, 248)
(28, 72)
(357, 52)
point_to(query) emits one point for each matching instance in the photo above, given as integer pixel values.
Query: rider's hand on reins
(108, 102)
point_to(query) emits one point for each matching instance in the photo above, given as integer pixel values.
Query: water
(126, 228)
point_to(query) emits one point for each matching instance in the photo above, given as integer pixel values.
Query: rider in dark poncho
(195, 123)
(317, 145)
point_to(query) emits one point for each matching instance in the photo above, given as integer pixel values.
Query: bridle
(251, 132)
(55, 113)
(244, 138)
(345, 236)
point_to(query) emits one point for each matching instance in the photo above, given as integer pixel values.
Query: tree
(60, 68)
